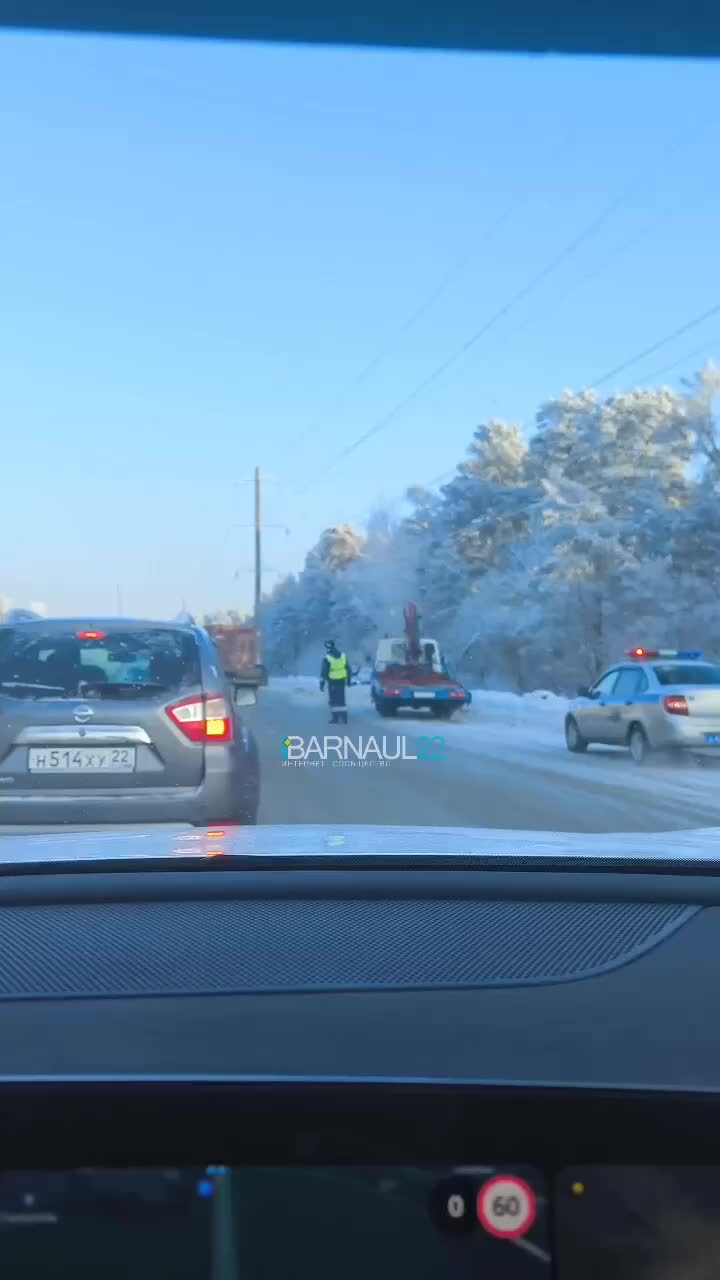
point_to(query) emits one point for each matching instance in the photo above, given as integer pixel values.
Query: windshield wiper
(33, 686)
(122, 688)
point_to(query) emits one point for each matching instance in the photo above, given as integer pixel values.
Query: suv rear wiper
(33, 686)
(122, 688)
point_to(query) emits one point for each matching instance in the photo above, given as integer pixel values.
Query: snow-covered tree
(303, 611)
(702, 391)
(547, 554)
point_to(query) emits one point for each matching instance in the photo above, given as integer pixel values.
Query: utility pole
(258, 554)
(258, 557)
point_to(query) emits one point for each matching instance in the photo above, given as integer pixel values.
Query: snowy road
(505, 766)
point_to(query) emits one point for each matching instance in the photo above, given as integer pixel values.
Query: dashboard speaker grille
(189, 948)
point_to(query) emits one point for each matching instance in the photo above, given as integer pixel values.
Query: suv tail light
(203, 719)
(675, 704)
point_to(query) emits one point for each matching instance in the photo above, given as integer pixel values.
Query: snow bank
(540, 701)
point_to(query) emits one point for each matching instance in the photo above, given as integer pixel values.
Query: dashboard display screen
(215, 1223)
(638, 1223)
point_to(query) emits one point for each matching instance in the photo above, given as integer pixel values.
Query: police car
(656, 700)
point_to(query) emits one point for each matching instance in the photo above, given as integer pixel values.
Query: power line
(409, 323)
(470, 342)
(535, 280)
(399, 333)
(519, 199)
(656, 346)
(579, 281)
(658, 373)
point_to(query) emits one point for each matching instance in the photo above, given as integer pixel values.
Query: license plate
(712, 739)
(81, 759)
(418, 693)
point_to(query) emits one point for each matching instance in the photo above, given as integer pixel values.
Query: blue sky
(204, 245)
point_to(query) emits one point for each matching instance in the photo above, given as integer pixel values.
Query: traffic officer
(335, 672)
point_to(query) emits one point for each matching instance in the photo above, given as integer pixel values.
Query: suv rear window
(71, 664)
(693, 673)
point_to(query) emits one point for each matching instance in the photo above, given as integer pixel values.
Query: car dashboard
(438, 1066)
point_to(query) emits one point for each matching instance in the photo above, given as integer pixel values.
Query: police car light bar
(685, 654)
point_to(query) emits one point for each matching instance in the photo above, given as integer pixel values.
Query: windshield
(360, 413)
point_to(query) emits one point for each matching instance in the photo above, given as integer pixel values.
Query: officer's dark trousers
(336, 699)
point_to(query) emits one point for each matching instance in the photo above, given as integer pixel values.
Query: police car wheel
(638, 744)
(573, 737)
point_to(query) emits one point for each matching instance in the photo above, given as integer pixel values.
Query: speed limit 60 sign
(506, 1207)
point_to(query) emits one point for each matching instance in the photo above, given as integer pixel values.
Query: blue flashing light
(688, 655)
(205, 1189)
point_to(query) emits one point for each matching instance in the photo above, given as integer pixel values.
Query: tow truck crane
(410, 671)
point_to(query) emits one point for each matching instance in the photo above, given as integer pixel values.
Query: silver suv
(120, 722)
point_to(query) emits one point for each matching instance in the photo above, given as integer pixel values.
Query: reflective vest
(337, 667)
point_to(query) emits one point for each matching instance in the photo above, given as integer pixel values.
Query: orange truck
(239, 648)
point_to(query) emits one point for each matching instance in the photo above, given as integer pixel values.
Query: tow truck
(410, 671)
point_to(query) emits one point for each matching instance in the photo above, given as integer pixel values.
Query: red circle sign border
(526, 1226)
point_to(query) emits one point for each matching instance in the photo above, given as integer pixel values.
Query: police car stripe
(633, 697)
